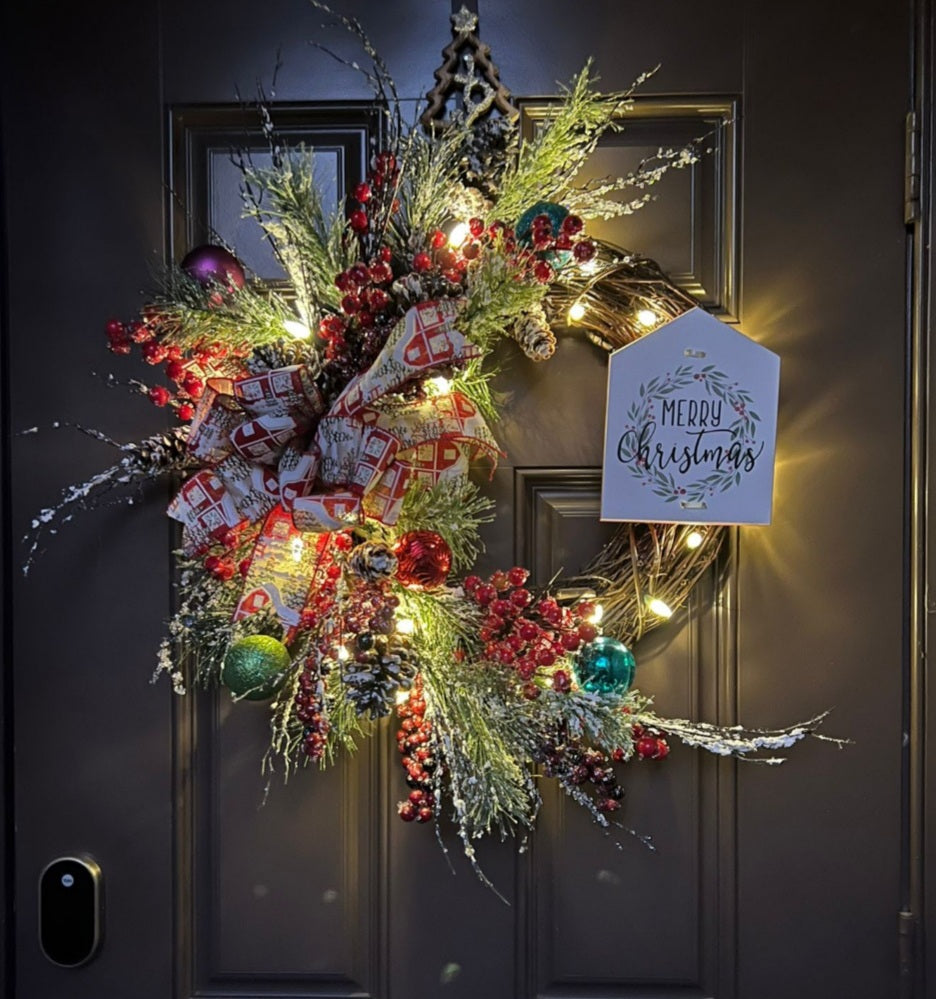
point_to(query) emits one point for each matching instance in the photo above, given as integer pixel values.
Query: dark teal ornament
(605, 666)
(254, 666)
(524, 227)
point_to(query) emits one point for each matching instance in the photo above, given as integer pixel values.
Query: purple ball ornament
(211, 264)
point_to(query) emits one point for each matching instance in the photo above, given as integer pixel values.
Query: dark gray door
(765, 883)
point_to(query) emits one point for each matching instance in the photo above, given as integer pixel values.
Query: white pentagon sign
(691, 426)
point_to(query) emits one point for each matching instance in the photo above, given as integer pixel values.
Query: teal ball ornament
(551, 209)
(254, 666)
(605, 666)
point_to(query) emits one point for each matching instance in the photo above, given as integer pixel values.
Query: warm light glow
(656, 606)
(405, 625)
(441, 384)
(590, 266)
(459, 234)
(343, 653)
(647, 317)
(297, 328)
(295, 548)
(694, 539)
(576, 311)
(597, 615)
(402, 696)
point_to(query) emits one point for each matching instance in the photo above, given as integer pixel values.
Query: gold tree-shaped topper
(468, 70)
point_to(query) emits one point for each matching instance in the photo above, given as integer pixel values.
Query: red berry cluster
(227, 552)
(527, 634)
(374, 193)
(650, 745)
(309, 704)
(576, 766)
(546, 240)
(188, 370)
(413, 739)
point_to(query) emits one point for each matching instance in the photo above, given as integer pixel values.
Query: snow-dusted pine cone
(282, 354)
(535, 337)
(380, 666)
(373, 562)
(161, 453)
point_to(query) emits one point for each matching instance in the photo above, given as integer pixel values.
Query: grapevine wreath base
(323, 444)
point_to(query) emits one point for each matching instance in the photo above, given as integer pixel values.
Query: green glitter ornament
(605, 666)
(253, 665)
(551, 209)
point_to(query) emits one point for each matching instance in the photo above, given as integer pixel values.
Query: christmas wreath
(324, 441)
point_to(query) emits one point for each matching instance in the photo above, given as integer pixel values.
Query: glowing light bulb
(694, 539)
(647, 318)
(402, 696)
(459, 234)
(659, 607)
(576, 311)
(441, 384)
(405, 625)
(597, 615)
(343, 654)
(297, 328)
(296, 547)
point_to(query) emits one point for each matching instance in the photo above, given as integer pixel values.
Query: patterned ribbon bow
(269, 445)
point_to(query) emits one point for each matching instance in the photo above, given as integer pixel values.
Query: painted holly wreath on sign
(324, 441)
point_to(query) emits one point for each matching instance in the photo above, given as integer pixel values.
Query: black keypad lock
(70, 911)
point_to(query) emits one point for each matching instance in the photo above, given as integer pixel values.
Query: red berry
(545, 656)
(360, 274)
(646, 747)
(499, 580)
(543, 272)
(358, 220)
(362, 192)
(518, 576)
(380, 272)
(120, 346)
(547, 608)
(377, 299)
(175, 371)
(193, 385)
(476, 227)
(154, 353)
(114, 329)
(385, 254)
(501, 607)
(543, 223)
(351, 304)
(572, 225)
(159, 395)
(472, 583)
(583, 251)
(406, 811)
(224, 571)
(485, 594)
(587, 631)
(521, 598)
(561, 681)
(438, 239)
(244, 567)
(531, 691)
(186, 411)
(212, 562)
(617, 755)
(529, 631)
(343, 542)
(343, 282)
(140, 332)
(525, 669)
(585, 608)
(422, 262)
(662, 750)
(570, 641)
(471, 251)
(608, 805)
(366, 318)
(425, 814)
(563, 242)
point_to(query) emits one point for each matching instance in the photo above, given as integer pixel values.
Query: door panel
(765, 882)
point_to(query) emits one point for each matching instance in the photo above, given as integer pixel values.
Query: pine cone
(535, 337)
(374, 676)
(373, 562)
(161, 453)
(284, 353)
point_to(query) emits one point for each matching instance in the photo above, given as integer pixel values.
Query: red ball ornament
(211, 264)
(423, 559)
(358, 220)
